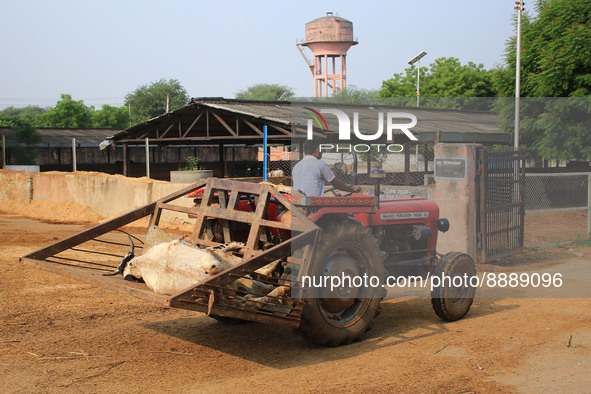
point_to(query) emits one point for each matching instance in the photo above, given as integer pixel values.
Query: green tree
(265, 92)
(30, 113)
(403, 84)
(555, 52)
(26, 137)
(555, 62)
(149, 100)
(353, 95)
(445, 77)
(110, 117)
(67, 113)
(449, 78)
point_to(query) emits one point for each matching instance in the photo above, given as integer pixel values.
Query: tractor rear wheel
(341, 315)
(452, 302)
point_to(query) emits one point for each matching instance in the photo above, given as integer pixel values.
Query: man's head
(312, 148)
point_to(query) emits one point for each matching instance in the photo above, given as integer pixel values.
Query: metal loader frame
(215, 296)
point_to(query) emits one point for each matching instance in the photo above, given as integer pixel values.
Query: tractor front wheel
(340, 315)
(453, 298)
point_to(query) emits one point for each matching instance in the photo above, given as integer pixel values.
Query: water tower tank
(329, 38)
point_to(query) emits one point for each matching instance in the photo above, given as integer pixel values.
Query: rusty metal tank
(330, 34)
(329, 38)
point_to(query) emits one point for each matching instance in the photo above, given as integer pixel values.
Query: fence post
(147, 157)
(74, 154)
(482, 161)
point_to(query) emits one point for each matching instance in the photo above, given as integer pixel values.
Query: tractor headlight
(442, 225)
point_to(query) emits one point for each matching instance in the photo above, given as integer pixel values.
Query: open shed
(220, 123)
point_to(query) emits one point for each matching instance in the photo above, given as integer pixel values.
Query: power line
(6, 102)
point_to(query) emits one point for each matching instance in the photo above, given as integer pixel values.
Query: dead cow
(169, 268)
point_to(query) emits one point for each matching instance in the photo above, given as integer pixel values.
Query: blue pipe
(265, 153)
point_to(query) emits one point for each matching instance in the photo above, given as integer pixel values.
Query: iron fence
(560, 191)
(412, 166)
(500, 211)
(558, 206)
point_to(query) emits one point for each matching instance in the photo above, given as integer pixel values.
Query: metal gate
(500, 211)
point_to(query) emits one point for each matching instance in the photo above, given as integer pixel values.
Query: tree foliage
(265, 92)
(110, 117)
(445, 77)
(30, 113)
(555, 62)
(555, 52)
(149, 100)
(67, 113)
(26, 135)
(353, 95)
(404, 84)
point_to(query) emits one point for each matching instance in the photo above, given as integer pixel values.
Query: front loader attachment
(93, 254)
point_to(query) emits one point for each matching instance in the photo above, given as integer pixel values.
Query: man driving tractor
(311, 172)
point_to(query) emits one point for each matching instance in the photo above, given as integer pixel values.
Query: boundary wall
(105, 195)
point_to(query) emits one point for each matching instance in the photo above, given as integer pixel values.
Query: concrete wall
(457, 201)
(16, 186)
(106, 195)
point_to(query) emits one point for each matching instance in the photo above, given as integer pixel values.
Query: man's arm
(337, 183)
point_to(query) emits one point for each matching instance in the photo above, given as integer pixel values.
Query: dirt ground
(58, 334)
(552, 227)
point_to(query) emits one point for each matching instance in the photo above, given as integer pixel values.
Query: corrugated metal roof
(429, 119)
(452, 125)
(63, 137)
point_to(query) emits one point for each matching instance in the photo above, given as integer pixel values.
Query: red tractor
(305, 240)
(360, 237)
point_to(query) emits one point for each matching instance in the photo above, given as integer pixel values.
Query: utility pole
(412, 61)
(128, 104)
(519, 7)
(417, 59)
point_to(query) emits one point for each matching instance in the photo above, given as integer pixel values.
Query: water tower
(329, 38)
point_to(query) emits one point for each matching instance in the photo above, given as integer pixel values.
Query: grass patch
(582, 242)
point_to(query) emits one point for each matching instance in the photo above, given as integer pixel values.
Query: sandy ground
(58, 334)
(552, 227)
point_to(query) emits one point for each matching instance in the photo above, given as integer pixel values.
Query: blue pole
(265, 153)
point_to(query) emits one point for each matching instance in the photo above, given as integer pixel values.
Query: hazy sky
(99, 50)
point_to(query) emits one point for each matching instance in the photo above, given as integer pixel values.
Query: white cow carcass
(169, 268)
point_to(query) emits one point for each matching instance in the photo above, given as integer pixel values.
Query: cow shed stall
(220, 123)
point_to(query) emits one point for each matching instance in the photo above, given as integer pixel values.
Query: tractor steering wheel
(333, 190)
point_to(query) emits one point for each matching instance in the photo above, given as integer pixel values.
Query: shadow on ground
(281, 348)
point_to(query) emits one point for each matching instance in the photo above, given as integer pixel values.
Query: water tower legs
(330, 74)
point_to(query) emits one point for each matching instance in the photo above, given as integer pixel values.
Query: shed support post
(74, 154)
(222, 158)
(125, 160)
(147, 157)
